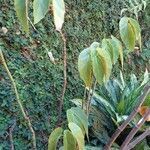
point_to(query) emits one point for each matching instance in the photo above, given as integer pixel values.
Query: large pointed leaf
(118, 47)
(21, 7)
(127, 33)
(40, 8)
(85, 67)
(59, 12)
(106, 45)
(77, 115)
(98, 69)
(77, 133)
(106, 63)
(72, 118)
(54, 137)
(137, 30)
(80, 114)
(69, 141)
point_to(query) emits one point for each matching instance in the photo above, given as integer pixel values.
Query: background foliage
(38, 80)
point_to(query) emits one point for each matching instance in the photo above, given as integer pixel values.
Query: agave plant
(113, 104)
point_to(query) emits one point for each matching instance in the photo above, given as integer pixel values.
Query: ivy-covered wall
(38, 80)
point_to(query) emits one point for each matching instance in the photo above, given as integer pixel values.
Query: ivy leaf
(85, 67)
(77, 133)
(119, 48)
(127, 33)
(40, 8)
(69, 141)
(54, 137)
(106, 63)
(21, 7)
(59, 12)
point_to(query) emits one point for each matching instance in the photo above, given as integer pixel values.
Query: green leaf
(54, 137)
(106, 45)
(137, 30)
(77, 115)
(40, 8)
(98, 69)
(85, 67)
(118, 47)
(146, 78)
(69, 141)
(59, 12)
(106, 63)
(21, 7)
(77, 133)
(127, 33)
(80, 114)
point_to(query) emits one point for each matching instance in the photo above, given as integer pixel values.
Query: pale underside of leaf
(40, 8)
(21, 7)
(59, 12)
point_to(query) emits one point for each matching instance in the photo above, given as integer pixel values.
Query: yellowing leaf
(85, 67)
(77, 133)
(59, 12)
(143, 110)
(40, 8)
(137, 30)
(105, 63)
(54, 137)
(69, 141)
(21, 7)
(127, 33)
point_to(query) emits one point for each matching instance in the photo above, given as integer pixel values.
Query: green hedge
(38, 80)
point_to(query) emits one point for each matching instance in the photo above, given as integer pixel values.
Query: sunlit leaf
(54, 137)
(59, 12)
(69, 141)
(77, 133)
(85, 67)
(21, 7)
(40, 8)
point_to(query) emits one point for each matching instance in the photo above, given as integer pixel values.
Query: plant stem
(134, 130)
(3, 62)
(65, 77)
(89, 102)
(84, 98)
(139, 139)
(130, 117)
